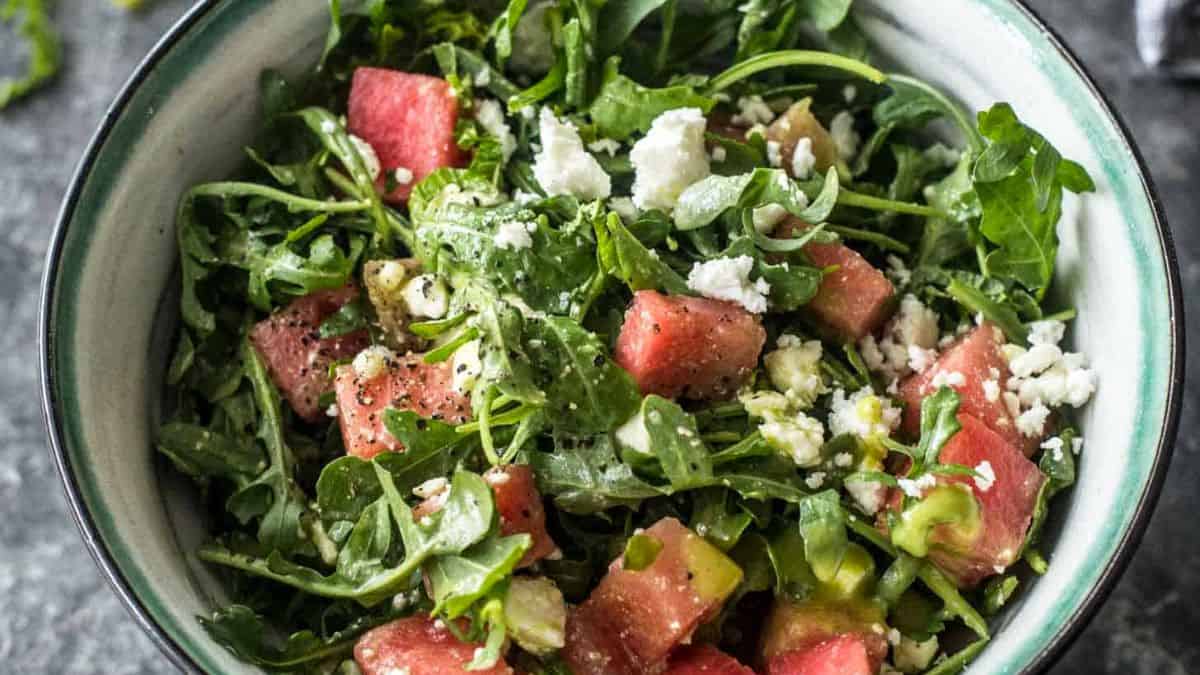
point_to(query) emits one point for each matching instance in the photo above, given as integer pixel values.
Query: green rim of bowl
(204, 28)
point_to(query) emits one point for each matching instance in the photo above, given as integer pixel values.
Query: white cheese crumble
(897, 271)
(370, 160)
(515, 235)
(483, 78)
(633, 434)
(403, 175)
(768, 217)
(803, 159)
(718, 154)
(390, 276)
(1054, 446)
(373, 362)
(624, 207)
(815, 480)
(943, 378)
(843, 460)
(775, 153)
(862, 413)
(1032, 422)
(563, 166)
(987, 476)
(849, 93)
(908, 344)
(491, 118)
(800, 437)
(608, 145)
(991, 390)
(845, 138)
(867, 494)
(427, 296)
(916, 488)
(795, 369)
(1046, 332)
(671, 157)
(466, 366)
(752, 110)
(729, 279)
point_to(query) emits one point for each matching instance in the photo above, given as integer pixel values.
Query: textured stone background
(58, 616)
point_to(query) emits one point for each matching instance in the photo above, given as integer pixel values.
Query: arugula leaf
(765, 26)
(827, 15)
(623, 107)
(977, 302)
(712, 520)
(947, 237)
(675, 441)
(624, 257)
(703, 202)
(459, 581)
(45, 50)
(823, 528)
(618, 19)
(586, 477)
(274, 495)
(939, 423)
(585, 391)
(1017, 178)
(794, 578)
(203, 453)
(248, 636)
(503, 31)
(914, 103)
(469, 66)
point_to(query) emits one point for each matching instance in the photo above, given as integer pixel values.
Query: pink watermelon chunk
(409, 121)
(697, 348)
(705, 660)
(852, 301)
(977, 356)
(1006, 507)
(841, 655)
(408, 384)
(417, 646)
(519, 504)
(296, 356)
(633, 619)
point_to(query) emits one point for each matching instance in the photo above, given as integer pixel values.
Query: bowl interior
(187, 115)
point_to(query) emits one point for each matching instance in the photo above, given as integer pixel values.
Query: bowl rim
(1042, 661)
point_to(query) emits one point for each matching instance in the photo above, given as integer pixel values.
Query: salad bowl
(110, 302)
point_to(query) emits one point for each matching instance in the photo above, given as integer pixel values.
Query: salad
(621, 337)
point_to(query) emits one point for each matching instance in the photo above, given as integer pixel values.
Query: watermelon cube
(841, 655)
(296, 356)
(1005, 506)
(634, 619)
(519, 504)
(978, 358)
(798, 123)
(408, 119)
(697, 348)
(417, 645)
(854, 299)
(407, 383)
(797, 627)
(705, 660)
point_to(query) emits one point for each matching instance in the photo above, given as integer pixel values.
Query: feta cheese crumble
(800, 438)
(515, 235)
(426, 296)
(633, 434)
(862, 413)
(795, 369)
(867, 494)
(908, 343)
(624, 207)
(774, 154)
(491, 118)
(845, 138)
(669, 158)
(563, 166)
(815, 480)
(948, 379)
(803, 159)
(466, 366)
(373, 362)
(916, 488)
(605, 145)
(987, 476)
(729, 279)
(752, 110)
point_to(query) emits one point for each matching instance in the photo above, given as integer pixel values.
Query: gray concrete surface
(58, 616)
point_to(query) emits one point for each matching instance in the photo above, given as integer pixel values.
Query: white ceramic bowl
(109, 297)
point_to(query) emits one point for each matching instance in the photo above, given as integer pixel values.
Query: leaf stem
(794, 57)
(862, 201)
(293, 202)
